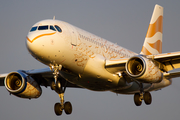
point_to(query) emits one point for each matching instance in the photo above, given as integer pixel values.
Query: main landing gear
(146, 96)
(57, 86)
(59, 107)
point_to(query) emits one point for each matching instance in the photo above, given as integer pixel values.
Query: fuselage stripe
(31, 41)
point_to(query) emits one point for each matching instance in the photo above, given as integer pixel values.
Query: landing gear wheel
(57, 109)
(68, 108)
(147, 98)
(137, 99)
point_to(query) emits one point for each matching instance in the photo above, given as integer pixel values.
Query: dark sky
(123, 22)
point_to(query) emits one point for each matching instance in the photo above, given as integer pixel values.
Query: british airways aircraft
(79, 59)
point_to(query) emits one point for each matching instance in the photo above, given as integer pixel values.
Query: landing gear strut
(57, 86)
(146, 96)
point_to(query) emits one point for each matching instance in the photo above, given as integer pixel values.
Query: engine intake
(143, 70)
(22, 85)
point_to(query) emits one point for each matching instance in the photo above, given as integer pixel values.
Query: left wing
(169, 61)
(172, 75)
(116, 65)
(166, 61)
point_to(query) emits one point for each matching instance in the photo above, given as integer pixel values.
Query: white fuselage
(83, 54)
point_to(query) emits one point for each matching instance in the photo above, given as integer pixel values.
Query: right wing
(2, 76)
(45, 77)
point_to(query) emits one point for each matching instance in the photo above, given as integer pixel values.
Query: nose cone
(37, 40)
(34, 43)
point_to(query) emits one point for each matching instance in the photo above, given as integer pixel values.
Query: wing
(169, 61)
(2, 76)
(45, 77)
(172, 75)
(116, 65)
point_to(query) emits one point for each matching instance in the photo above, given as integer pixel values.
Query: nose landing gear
(57, 86)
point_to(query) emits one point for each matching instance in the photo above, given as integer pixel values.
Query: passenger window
(52, 28)
(33, 29)
(43, 27)
(58, 28)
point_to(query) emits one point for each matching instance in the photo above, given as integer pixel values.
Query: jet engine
(143, 70)
(22, 85)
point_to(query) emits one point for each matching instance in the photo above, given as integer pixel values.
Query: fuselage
(51, 46)
(54, 42)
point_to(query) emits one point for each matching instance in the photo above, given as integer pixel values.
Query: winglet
(153, 40)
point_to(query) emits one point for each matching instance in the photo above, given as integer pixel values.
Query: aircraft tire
(57, 109)
(147, 98)
(137, 99)
(68, 108)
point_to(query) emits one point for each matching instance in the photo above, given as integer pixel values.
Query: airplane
(79, 59)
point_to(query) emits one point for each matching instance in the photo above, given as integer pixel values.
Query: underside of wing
(116, 65)
(46, 76)
(43, 76)
(172, 75)
(2, 76)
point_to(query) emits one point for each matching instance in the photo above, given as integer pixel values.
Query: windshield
(43, 27)
(33, 29)
(52, 28)
(46, 27)
(58, 28)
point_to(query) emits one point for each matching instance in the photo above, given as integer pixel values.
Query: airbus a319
(79, 59)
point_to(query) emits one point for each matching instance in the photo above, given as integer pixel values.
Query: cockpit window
(33, 29)
(43, 27)
(46, 27)
(58, 28)
(52, 28)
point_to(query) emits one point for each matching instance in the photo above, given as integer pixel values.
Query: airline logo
(153, 40)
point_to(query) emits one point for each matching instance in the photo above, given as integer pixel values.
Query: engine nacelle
(143, 70)
(22, 85)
